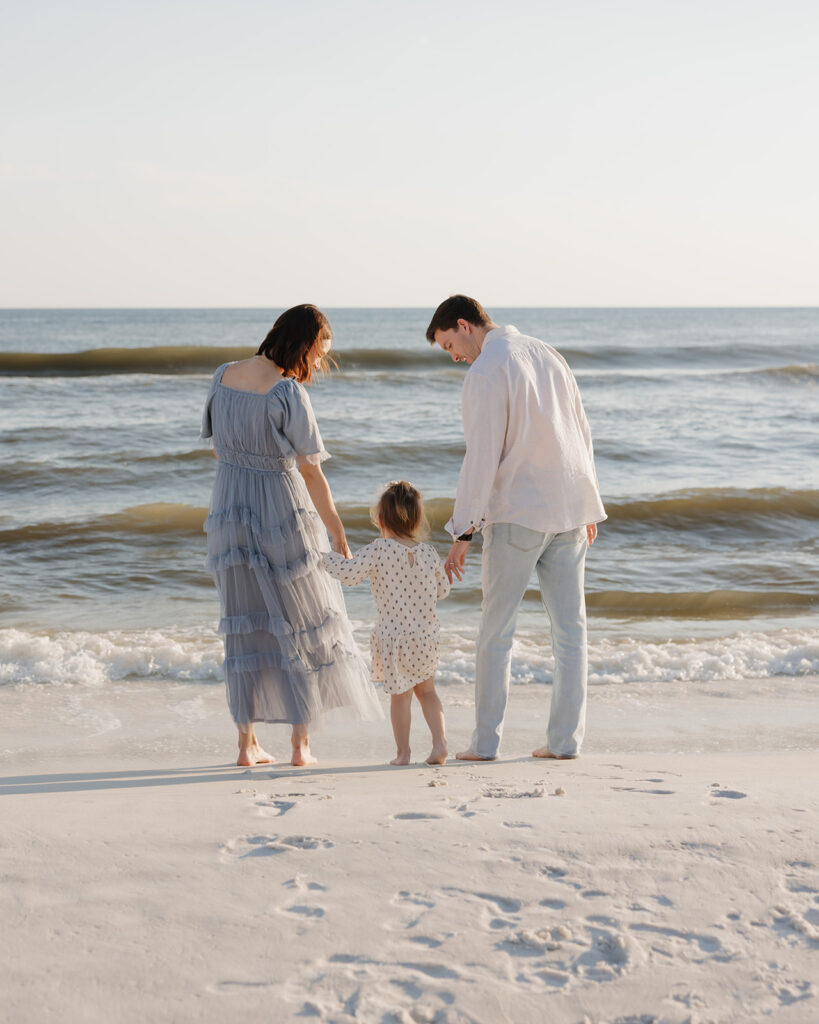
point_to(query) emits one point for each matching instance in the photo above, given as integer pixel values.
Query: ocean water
(705, 428)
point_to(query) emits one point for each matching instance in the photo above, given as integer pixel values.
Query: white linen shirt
(529, 457)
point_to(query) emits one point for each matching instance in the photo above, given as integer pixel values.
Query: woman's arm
(319, 491)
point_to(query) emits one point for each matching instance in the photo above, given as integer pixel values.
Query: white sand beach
(668, 875)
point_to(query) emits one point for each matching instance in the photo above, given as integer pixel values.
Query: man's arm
(484, 407)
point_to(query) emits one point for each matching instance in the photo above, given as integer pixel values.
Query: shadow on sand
(76, 782)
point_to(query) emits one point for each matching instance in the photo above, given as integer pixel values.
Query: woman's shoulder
(217, 373)
(288, 391)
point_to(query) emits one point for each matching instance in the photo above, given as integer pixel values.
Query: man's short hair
(453, 309)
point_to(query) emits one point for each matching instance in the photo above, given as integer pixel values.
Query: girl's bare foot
(401, 758)
(301, 754)
(437, 755)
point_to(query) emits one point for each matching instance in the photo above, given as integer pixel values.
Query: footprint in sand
(301, 884)
(788, 920)
(428, 941)
(274, 808)
(412, 906)
(610, 955)
(707, 944)
(464, 810)
(231, 988)
(306, 842)
(302, 910)
(505, 904)
(796, 879)
(268, 846)
(416, 816)
(717, 791)
(652, 792)
(507, 793)
(412, 899)
(560, 875)
(531, 942)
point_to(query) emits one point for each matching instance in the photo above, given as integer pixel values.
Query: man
(528, 483)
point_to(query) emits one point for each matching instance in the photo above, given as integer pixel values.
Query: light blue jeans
(510, 554)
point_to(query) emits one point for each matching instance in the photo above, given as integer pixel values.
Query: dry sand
(670, 874)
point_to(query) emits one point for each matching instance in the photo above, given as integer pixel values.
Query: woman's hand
(339, 542)
(319, 491)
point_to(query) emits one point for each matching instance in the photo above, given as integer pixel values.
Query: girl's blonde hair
(400, 510)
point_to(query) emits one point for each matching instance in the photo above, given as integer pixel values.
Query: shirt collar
(498, 332)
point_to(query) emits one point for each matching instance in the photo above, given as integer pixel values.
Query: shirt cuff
(464, 528)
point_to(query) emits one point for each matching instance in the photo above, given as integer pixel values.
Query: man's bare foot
(545, 752)
(401, 758)
(437, 755)
(468, 755)
(301, 755)
(252, 755)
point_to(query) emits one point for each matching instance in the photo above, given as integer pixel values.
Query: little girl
(406, 578)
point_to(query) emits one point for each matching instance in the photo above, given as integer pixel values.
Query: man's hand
(454, 561)
(591, 533)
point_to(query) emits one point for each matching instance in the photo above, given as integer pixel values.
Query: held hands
(339, 543)
(454, 561)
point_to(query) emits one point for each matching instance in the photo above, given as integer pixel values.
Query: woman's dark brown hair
(401, 511)
(292, 338)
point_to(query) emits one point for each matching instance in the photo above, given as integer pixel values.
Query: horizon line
(497, 305)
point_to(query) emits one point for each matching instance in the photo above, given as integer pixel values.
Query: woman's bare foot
(468, 755)
(300, 742)
(437, 755)
(401, 758)
(252, 754)
(301, 754)
(545, 752)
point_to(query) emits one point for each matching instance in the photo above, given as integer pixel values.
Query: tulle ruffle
(290, 655)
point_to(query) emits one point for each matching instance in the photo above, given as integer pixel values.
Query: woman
(289, 649)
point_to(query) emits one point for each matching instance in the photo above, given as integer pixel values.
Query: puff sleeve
(292, 414)
(207, 426)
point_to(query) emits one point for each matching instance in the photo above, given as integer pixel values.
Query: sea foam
(91, 659)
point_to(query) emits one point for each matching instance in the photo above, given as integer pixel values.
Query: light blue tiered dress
(290, 655)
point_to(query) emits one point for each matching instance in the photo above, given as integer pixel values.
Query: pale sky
(263, 153)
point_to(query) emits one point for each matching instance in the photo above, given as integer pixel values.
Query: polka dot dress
(406, 583)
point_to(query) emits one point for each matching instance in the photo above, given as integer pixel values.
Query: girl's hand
(339, 542)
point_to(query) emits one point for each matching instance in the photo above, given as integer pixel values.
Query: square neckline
(244, 391)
